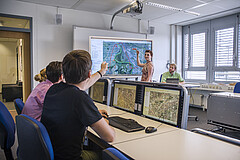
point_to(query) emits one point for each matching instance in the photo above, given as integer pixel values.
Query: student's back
(67, 111)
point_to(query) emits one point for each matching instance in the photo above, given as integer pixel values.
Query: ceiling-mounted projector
(133, 9)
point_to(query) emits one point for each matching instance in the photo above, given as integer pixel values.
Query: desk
(11, 92)
(122, 77)
(199, 96)
(224, 110)
(168, 143)
(179, 145)
(122, 136)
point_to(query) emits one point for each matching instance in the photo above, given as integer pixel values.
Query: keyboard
(127, 125)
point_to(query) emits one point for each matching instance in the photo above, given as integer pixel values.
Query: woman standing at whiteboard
(148, 69)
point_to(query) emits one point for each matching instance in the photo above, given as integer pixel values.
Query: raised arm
(94, 77)
(138, 61)
(102, 128)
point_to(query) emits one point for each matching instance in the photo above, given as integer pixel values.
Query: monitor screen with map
(124, 96)
(119, 54)
(98, 91)
(163, 104)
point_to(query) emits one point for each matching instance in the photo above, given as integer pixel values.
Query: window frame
(191, 30)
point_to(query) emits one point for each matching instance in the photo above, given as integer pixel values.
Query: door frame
(26, 35)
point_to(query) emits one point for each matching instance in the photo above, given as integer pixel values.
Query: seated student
(172, 74)
(68, 110)
(34, 104)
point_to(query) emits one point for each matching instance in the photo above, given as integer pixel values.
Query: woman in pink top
(148, 69)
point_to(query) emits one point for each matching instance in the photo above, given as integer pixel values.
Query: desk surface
(180, 145)
(122, 136)
(188, 85)
(168, 143)
(210, 89)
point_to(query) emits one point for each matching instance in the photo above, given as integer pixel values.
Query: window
(186, 58)
(198, 75)
(224, 47)
(211, 50)
(194, 48)
(198, 50)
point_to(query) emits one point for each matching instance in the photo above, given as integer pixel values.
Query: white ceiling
(207, 8)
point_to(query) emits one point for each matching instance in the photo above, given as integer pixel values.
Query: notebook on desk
(127, 125)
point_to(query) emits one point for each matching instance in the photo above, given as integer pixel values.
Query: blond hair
(42, 76)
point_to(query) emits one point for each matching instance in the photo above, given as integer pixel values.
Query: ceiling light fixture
(163, 6)
(171, 8)
(191, 12)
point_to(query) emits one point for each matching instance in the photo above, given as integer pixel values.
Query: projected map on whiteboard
(119, 54)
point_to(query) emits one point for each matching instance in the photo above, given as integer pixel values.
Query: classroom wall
(53, 42)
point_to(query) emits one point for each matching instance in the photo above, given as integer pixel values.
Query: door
(23, 60)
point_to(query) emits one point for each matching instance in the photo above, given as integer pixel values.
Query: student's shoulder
(165, 73)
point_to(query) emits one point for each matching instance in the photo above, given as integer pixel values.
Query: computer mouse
(150, 129)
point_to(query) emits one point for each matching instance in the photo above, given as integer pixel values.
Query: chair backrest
(33, 139)
(160, 78)
(7, 131)
(113, 154)
(18, 105)
(237, 88)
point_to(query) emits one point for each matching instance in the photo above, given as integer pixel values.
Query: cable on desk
(159, 125)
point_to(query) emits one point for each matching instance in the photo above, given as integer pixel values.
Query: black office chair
(18, 103)
(7, 131)
(113, 154)
(33, 139)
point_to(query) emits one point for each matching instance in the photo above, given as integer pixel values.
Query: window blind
(227, 76)
(239, 46)
(198, 50)
(224, 47)
(186, 53)
(200, 75)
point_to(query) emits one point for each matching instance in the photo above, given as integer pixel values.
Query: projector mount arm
(139, 5)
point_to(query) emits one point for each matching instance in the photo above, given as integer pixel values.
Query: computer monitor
(164, 103)
(99, 91)
(124, 95)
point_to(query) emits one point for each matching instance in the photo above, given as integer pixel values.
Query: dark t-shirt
(67, 111)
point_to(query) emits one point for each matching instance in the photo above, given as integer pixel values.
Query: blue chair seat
(113, 154)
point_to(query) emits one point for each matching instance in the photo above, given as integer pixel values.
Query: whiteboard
(81, 36)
